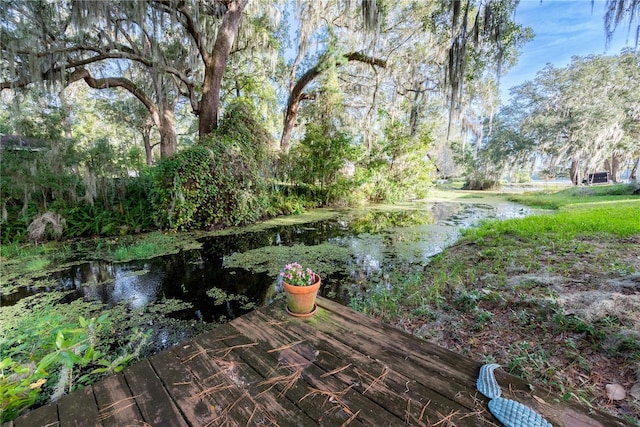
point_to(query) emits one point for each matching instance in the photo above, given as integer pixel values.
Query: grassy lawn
(553, 297)
(576, 196)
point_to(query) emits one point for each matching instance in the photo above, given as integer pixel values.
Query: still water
(358, 245)
(177, 296)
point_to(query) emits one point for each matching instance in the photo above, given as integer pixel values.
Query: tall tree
(584, 115)
(418, 49)
(297, 93)
(188, 41)
(134, 114)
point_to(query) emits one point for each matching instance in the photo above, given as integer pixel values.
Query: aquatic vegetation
(46, 352)
(37, 264)
(220, 297)
(325, 259)
(147, 246)
(27, 262)
(377, 221)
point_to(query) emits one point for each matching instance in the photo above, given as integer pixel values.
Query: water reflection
(380, 242)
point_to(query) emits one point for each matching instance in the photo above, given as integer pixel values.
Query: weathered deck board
(116, 404)
(249, 369)
(336, 368)
(296, 359)
(279, 379)
(155, 403)
(401, 395)
(44, 416)
(78, 409)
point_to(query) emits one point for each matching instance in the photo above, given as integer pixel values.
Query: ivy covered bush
(221, 181)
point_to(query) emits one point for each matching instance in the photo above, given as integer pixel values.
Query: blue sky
(563, 28)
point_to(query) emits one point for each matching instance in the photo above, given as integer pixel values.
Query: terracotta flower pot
(301, 300)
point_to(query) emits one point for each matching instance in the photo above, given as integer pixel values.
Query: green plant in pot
(301, 287)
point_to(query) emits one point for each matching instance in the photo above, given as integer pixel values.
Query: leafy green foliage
(318, 160)
(52, 353)
(221, 296)
(33, 182)
(219, 182)
(578, 115)
(398, 169)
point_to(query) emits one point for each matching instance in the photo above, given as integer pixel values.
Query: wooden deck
(336, 368)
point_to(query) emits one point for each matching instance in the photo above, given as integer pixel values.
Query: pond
(178, 295)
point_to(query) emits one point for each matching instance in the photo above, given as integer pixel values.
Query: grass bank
(553, 297)
(576, 196)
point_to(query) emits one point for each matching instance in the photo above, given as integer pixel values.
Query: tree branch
(110, 82)
(190, 24)
(297, 93)
(361, 57)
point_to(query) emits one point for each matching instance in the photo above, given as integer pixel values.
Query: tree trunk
(168, 137)
(289, 122)
(634, 171)
(615, 168)
(26, 197)
(215, 65)
(65, 109)
(163, 119)
(146, 140)
(574, 171)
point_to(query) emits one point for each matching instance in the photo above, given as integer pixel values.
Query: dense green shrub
(219, 182)
(88, 187)
(397, 167)
(481, 184)
(292, 199)
(315, 165)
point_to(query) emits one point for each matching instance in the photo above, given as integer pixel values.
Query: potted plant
(301, 286)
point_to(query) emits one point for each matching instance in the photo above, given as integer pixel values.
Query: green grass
(576, 195)
(621, 219)
(36, 264)
(144, 246)
(28, 250)
(22, 262)
(136, 251)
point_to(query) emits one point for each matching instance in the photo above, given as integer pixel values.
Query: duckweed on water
(375, 222)
(148, 246)
(220, 297)
(304, 218)
(325, 259)
(37, 306)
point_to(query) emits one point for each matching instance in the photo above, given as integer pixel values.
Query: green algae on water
(325, 259)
